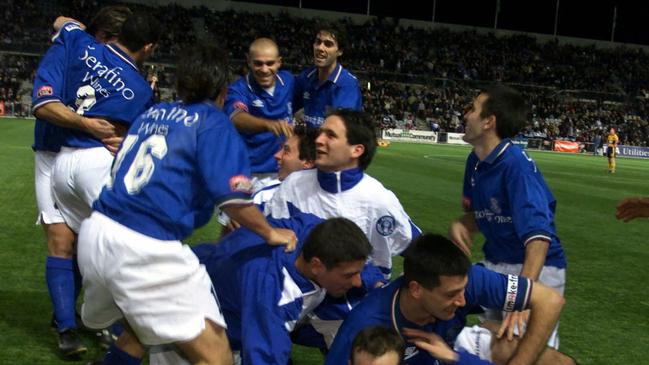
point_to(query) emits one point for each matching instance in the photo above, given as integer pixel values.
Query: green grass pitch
(606, 318)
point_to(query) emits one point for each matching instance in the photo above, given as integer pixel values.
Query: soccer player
(101, 81)
(428, 306)
(166, 180)
(327, 85)
(612, 141)
(259, 105)
(263, 292)
(506, 198)
(339, 187)
(377, 346)
(61, 273)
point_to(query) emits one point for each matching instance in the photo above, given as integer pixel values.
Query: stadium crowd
(396, 62)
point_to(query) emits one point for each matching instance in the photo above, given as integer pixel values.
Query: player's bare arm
(546, 305)
(535, 253)
(246, 122)
(461, 230)
(58, 114)
(250, 217)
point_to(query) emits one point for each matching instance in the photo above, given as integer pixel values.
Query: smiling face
(325, 51)
(442, 301)
(288, 158)
(264, 62)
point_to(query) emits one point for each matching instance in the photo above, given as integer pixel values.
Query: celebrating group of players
(121, 181)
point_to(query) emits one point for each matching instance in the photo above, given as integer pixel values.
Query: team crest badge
(385, 225)
(241, 106)
(44, 91)
(241, 184)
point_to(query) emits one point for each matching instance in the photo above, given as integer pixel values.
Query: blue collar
(499, 150)
(339, 181)
(121, 54)
(333, 77)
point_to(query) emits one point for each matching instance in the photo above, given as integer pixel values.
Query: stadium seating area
(418, 78)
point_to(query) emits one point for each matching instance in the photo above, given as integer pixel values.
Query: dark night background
(577, 18)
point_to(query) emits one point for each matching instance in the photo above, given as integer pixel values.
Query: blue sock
(59, 274)
(78, 280)
(115, 356)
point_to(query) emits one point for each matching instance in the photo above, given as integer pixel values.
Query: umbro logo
(258, 103)
(410, 352)
(306, 95)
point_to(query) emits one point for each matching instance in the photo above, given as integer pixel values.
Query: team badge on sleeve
(241, 184)
(241, 106)
(44, 91)
(385, 225)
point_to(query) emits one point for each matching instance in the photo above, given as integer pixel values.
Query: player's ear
(279, 62)
(490, 123)
(308, 164)
(415, 289)
(317, 266)
(357, 150)
(220, 98)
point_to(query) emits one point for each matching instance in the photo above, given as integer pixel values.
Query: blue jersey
(381, 308)
(511, 204)
(340, 90)
(175, 165)
(99, 81)
(48, 87)
(260, 291)
(245, 95)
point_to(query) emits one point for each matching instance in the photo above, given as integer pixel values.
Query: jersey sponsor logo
(241, 106)
(494, 206)
(99, 71)
(44, 91)
(410, 352)
(512, 291)
(241, 184)
(385, 225)
(317, 121)
(257, 103)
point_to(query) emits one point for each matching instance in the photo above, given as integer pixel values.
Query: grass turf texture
(605, 321)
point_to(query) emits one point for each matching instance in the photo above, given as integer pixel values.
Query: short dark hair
(360, 130)
(378, 341)
(109, 19)
(431, 256)
(138, 30)
(508, 105)
(336, 32)
(306, 144)
(336, 241)
(202, 73)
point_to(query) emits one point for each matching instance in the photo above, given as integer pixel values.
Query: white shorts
(78, 176)
(48, 213)
(551, 276)
(475, 340)
(161, 289)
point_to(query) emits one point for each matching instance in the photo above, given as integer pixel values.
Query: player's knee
(210, 347)
(60, 240)
(502, 349)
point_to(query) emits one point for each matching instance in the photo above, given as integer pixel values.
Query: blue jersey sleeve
(526, 192)
(264, 337)
(348, 96)
(497, 291)
(223, 162)
(49, 79)
(237, 99)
